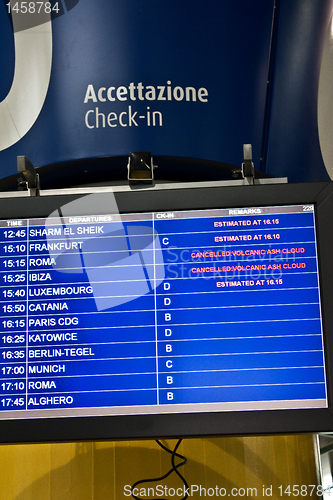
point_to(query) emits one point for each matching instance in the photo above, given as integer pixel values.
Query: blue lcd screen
(164, 312)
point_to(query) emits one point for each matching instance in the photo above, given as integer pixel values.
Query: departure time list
(161, 312)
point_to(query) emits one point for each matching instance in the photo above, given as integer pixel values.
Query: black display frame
(178, 425)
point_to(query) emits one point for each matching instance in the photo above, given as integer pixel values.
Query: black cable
(173, 469)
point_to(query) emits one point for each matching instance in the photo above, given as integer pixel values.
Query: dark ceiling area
(113, 169)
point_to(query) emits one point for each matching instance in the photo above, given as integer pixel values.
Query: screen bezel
(192, 424)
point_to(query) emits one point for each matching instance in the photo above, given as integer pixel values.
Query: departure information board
(202, 310)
